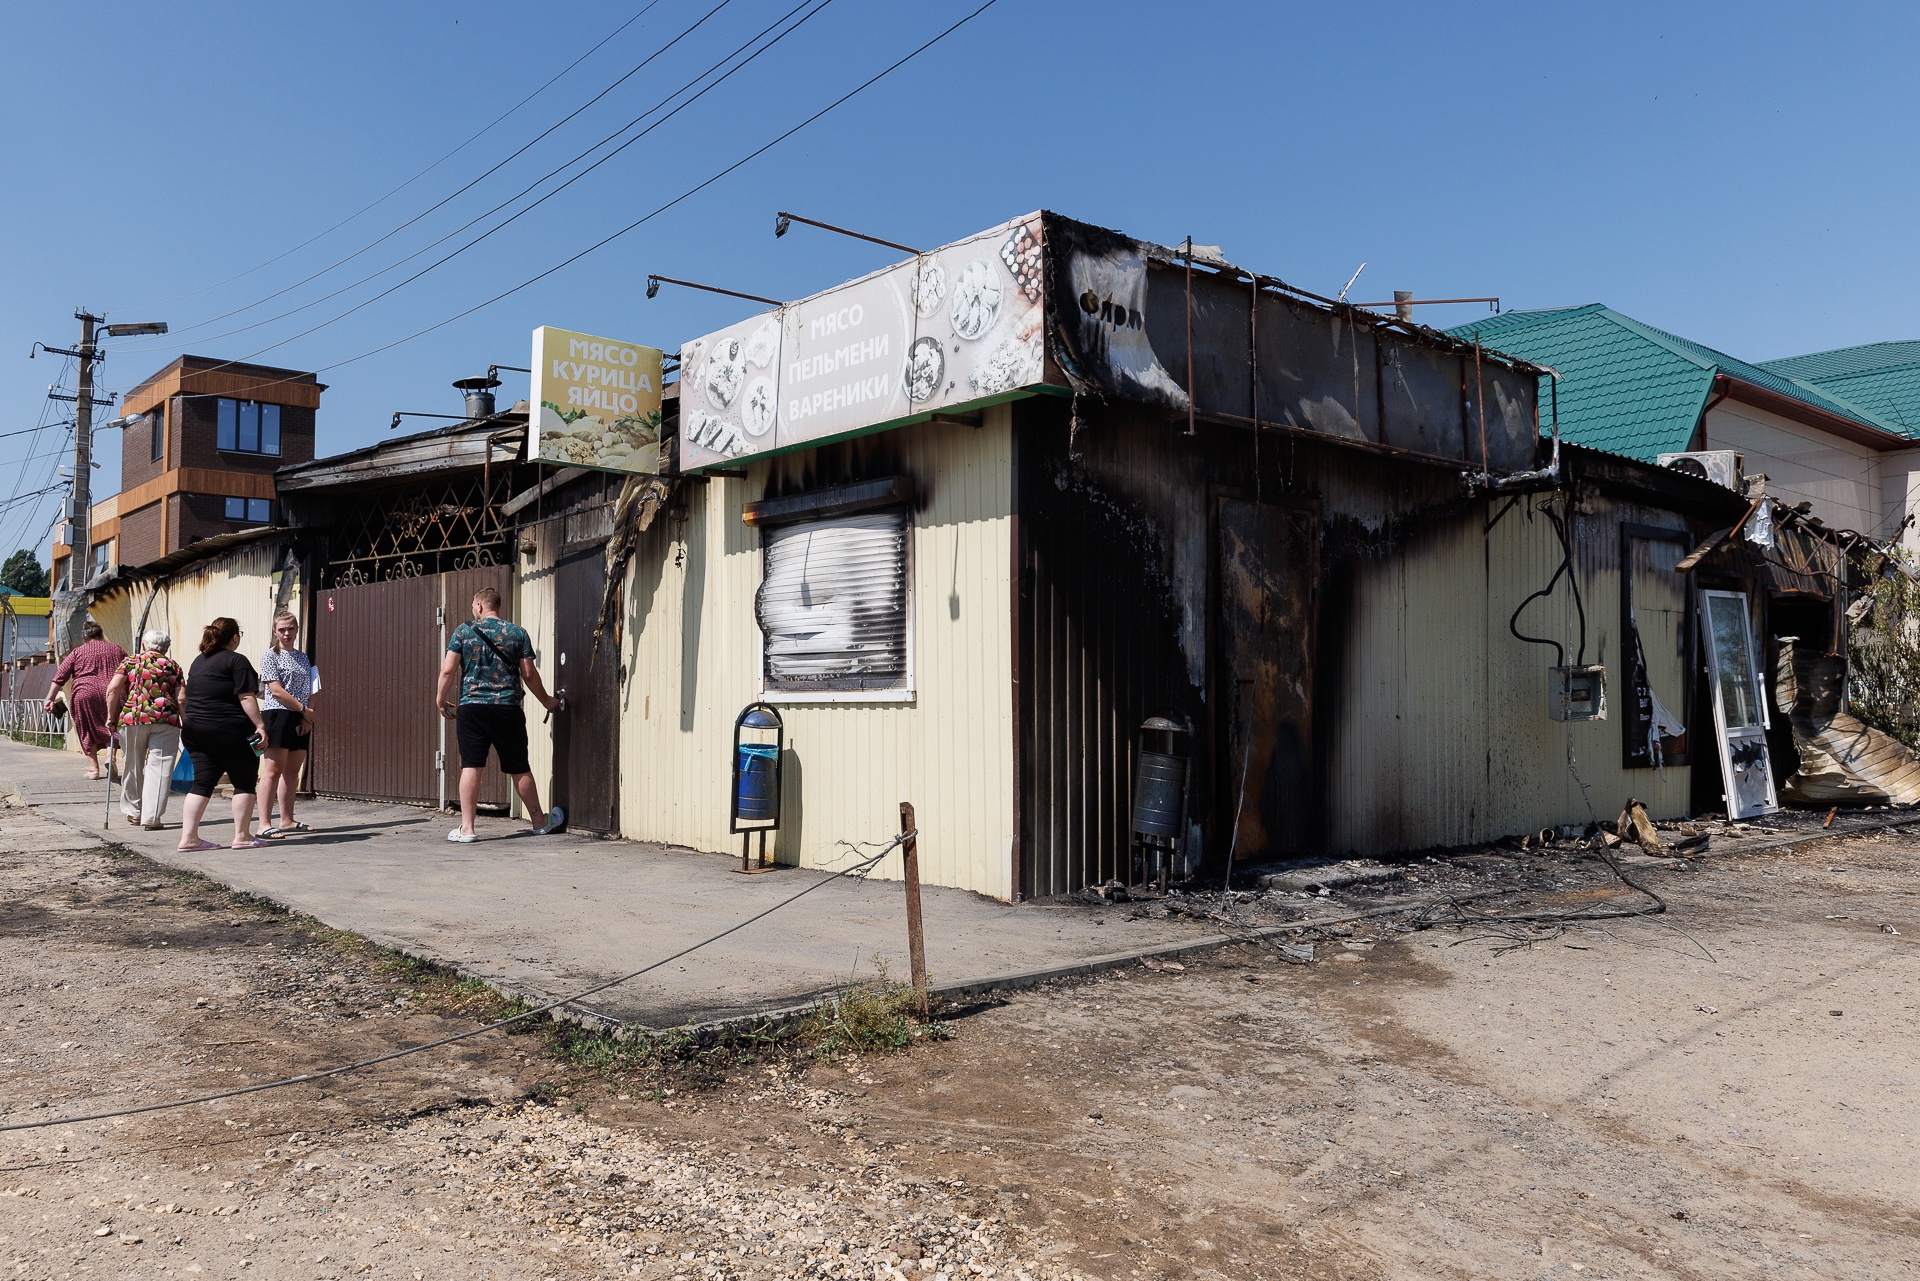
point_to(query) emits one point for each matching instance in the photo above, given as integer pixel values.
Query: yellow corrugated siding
(693, 652)
(533, 609)
(1441, 730)
(239, 586)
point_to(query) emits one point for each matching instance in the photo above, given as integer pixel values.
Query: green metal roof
(1629, 388)
(1882, 378)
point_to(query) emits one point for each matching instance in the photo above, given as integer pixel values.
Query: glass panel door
(1739, 716)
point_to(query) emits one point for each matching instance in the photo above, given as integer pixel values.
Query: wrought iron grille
(452, 525)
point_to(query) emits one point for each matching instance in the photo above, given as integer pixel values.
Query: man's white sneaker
(556, 820)
(459, 837)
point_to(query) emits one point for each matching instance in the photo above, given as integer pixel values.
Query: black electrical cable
(855, 870)
(1573, 580)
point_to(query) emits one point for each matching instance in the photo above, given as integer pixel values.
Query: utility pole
(80, 559)
(78, 512)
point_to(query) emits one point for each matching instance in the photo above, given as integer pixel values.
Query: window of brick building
(247, 427)
(157, 429)
(251, 511)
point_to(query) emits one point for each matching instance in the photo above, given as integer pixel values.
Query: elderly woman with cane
(86, 673)
(144, 701)
(223, 730)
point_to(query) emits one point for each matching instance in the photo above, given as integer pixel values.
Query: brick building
(201, 458)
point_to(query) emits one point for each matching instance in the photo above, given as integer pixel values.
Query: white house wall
(1899, 498)
(693, 652)
(1803, 464)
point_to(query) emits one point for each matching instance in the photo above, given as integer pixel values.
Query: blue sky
(1744, 175)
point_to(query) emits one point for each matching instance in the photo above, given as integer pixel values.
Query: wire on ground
(856, 870)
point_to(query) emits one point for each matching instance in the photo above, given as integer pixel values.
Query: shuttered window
(832, 605)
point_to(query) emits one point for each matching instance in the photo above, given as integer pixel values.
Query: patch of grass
(880, 1017)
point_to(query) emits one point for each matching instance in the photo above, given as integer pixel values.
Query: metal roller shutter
(832, 605)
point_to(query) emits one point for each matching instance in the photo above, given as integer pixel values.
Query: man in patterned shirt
(143, 701)
(490, 657)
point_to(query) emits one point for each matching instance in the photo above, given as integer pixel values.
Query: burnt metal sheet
(1098, 651)
(1268, 572)
(1207, 340)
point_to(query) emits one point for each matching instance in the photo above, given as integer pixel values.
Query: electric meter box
(1577, 693)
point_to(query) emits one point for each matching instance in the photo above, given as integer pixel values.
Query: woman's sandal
(273, 834)
(255, 844)
(195, 849)
(293, 827)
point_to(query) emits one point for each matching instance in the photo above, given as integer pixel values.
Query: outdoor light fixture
(145, 327)
(654, 283)
(125, 421)
(783, 220)
(398, 414)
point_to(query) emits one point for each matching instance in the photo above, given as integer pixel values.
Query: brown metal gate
(376, 732)
(379, 647)
(586, 747)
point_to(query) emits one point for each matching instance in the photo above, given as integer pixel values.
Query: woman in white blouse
(286, 704)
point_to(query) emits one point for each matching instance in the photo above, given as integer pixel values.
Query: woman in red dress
(86, 674)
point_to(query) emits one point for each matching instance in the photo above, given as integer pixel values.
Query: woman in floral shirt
(144, 701)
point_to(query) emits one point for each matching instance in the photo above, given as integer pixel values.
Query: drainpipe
(1721, 386)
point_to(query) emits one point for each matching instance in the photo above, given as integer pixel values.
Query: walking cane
(113, 744)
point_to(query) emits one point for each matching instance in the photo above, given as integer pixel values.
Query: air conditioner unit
(1721, 466)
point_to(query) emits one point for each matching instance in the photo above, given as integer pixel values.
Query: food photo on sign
(956, 325)
(596, 402)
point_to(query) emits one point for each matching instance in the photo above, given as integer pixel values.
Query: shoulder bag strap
(513, 668)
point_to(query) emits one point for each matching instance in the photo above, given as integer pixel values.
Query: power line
(438, 205)
(423, 173)
(679, 199)
(531, 186)
(636, 223)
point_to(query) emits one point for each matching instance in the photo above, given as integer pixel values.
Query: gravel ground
(1725, 1091)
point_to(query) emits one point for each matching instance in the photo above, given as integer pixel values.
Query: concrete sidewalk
(544, 916)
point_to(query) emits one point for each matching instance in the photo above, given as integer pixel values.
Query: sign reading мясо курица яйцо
(596, 402)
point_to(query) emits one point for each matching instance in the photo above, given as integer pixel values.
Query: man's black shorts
(500, 726)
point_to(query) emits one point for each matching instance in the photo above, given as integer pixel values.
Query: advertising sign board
(955, 325)
(596, 402)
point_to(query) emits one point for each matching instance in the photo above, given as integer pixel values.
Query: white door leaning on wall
(1739, 709)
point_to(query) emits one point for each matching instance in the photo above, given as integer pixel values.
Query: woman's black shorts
(283, 730)
(221, 751)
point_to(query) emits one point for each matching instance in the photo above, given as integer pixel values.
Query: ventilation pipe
(479, 394)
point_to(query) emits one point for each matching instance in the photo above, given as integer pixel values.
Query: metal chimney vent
(479, 393)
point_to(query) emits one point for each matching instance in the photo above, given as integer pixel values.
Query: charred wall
(1118, 615)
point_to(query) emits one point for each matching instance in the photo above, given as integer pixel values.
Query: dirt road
(1626, 1100)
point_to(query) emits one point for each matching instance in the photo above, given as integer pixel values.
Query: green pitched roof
(1629, 388)
(1882, 378)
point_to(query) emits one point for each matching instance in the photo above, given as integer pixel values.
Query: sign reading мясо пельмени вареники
(596, 401)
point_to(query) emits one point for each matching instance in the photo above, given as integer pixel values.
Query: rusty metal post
(1189, 257)
(910, 866)
(1480, 401)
